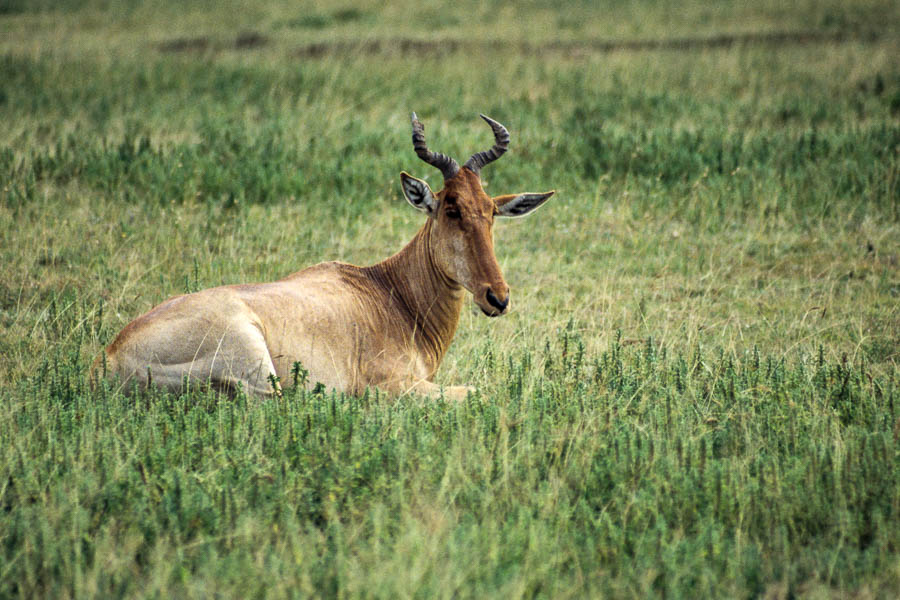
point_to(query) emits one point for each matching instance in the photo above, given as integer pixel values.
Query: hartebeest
(385, 326)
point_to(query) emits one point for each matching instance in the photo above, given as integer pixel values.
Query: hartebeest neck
(430, 301)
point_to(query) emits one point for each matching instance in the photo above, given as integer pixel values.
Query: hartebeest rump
(386, 326)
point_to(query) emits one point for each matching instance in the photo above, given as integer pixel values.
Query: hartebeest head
(462, 240)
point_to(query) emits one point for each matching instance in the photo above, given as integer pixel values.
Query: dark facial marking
(452, 206)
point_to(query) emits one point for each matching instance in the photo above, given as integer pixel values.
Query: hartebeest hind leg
(241, 360)
(224, 358)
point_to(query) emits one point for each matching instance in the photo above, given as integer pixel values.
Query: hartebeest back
(386, 326)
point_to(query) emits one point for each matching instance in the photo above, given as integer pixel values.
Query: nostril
(495, 301)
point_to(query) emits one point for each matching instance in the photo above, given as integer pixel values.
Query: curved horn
(479, 159)
(447, 165)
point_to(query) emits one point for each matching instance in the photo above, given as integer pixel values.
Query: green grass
(631, 473)
(694, 393)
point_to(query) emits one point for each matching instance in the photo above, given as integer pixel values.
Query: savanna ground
(694, 395)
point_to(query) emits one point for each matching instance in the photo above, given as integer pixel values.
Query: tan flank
(386, 326)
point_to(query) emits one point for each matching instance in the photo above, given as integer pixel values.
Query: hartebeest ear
(418, 193)
(519, 205)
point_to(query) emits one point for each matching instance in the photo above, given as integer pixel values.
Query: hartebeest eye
(452, 212)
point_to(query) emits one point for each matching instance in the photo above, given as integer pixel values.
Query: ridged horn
(447, 165)
(501, 137)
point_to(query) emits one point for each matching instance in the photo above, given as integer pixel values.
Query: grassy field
(695, 393)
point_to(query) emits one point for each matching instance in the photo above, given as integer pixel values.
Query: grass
(627, 474)
(694, 394)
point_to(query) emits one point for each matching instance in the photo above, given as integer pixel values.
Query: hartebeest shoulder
(386, 326)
